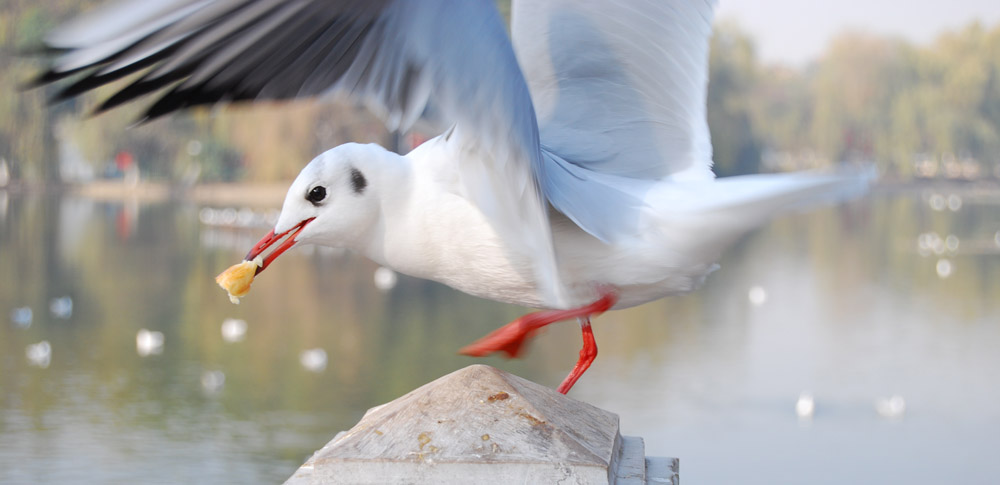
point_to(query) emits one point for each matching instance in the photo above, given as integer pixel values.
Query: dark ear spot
(358, 181)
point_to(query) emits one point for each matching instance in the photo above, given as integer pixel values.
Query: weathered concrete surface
(480, 425)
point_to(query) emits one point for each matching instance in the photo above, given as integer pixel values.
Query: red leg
(587, 355)
(511, 337)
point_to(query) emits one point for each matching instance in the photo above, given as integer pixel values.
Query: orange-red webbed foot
(510, 338)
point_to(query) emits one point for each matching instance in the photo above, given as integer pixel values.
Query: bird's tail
(713, 214)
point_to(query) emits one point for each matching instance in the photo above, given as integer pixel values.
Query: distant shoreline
(257, 195)
(271, 195)
(221, 194)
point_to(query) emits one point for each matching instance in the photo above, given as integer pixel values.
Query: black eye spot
(316, 195)
(358, 181)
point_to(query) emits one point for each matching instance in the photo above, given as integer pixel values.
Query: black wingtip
(50, 76)
(39, 80)
(140, 121)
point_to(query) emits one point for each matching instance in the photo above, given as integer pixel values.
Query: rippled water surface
(114, 366)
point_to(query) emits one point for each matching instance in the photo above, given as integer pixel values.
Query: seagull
(572, 172)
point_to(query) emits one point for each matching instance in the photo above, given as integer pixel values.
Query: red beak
(270, 239)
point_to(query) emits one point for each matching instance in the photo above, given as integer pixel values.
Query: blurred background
(856, 343)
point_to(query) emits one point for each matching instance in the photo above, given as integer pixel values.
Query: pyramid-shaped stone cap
(476, 425)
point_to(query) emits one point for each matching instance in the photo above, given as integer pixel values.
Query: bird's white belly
(473, 259)
(495, 276)
(639, 270)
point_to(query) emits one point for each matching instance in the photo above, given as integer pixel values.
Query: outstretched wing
(619, 87)
(398, 55)
(619, 91)
(197, 52)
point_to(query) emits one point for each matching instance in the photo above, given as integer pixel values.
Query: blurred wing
(619, 88)
(198, 52)
(398, 55)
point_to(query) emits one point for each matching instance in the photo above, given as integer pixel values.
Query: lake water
(896, 294)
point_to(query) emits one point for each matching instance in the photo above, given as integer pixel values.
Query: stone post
(482, 425)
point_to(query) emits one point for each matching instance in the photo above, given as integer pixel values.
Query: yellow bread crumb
(237, 278)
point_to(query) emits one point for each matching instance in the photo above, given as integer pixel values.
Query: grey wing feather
(205, 52)
(619, 87)
(619, 90)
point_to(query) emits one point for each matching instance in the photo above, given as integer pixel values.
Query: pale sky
(796, 31)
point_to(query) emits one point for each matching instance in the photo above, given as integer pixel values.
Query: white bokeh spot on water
(385, 278)
(245, 217)
(924, 244)
(313, 360)
(951, 242)
(944, 268)
(805, 406)
(931, 243)
(937, 202)
(40, 354)
(207, 216)
(234, 329)
(21, 316)
(892, 407)
(62, 307)
(757, 295)
(212, 381)
(148, 342)
(954, 202)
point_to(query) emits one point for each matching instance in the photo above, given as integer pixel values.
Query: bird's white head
(332, 202)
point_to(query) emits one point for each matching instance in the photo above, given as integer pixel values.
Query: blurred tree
(961, 71)
(733, 74)
(781, 107)
(853, 92)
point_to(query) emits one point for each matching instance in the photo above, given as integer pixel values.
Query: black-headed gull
(573, 176)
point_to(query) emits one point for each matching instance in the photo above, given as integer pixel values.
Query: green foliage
(733, 74)
(867, 98)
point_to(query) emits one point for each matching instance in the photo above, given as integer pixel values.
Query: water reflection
(142, 366)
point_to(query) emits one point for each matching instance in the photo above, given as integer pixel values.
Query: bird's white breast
(430, 230)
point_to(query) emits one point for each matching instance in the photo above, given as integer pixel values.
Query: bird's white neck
(391, 180)
(425, 228)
